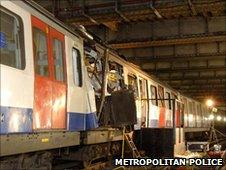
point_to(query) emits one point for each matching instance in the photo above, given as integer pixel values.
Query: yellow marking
(44, 140)
(112, 77)
(47, 30)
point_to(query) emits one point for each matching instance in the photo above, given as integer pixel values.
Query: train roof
(78, 31)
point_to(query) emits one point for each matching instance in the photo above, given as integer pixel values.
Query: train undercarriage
(96, 145)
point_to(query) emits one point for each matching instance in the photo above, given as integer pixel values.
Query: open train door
(50, 78)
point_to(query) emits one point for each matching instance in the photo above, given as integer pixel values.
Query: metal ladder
(132, 146)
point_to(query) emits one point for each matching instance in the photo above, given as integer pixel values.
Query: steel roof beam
(119, 12)
(84, 13)
(189, 57)
(193, 94)
(192, 8)
(207, 90)
(141, 10)
(190, 69)
(192, 78)
(195, 86)
(202, 90)
(194, 82)
(167, 42)
(156, 12)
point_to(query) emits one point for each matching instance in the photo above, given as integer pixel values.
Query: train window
(142, 95)
(168, 102)
(132, 84)
(40, 52)
(194, 108)
(115, 77)
(174, 96)
(199, 111)
(143, 88)
(154, 100)
(161, 96)
(77, 67)
(185, 105)
(190, 111)
(11, 40)
(58, 60)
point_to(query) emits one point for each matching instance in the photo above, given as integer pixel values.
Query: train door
(199, 115)
(194, 113)
(184, 100)
(133, 85)
(168, 107)
(59, 86)
(143, 101)
(191, 119)
(162, 121)
(181, 110)
(153, 108)
(50, 80)
(177, 110)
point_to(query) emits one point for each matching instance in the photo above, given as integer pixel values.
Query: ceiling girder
(206, 96)
(192, 78)
(168, 42)
(192, 7)
(172, 58)
(205, 91)
(191, 69)
(119, 12)
(140, 10)
(194, 82)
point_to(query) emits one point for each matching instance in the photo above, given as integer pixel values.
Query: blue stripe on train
(15, 120)
(91, 121)
(19, 120)
(81, 121)
(154, 123)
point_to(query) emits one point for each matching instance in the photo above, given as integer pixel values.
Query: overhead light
(209, 103)
(214, 109)
(219, 118)
(224, 119)
(211, 117)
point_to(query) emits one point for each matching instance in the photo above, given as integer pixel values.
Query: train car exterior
(48, 101)
(44, 84)
(190, 113)
(159, 106)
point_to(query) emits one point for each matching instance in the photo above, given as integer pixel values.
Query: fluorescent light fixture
(211, 117)
(209, 103)
(219, 118)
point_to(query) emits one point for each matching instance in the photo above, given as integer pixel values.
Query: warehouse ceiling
(182, 42)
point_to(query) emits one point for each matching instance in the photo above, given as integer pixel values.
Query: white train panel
(17, 80)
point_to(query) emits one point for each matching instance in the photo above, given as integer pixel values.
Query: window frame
(20, 38)
(78, 67)
(168, 105)
(156, 95)
(118, 83)
(134, 78)
(160, 94)
(62, 58)
(47, 50)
